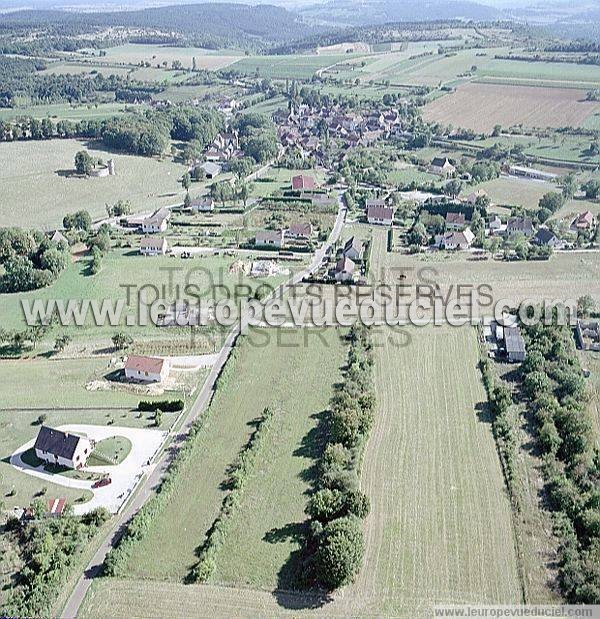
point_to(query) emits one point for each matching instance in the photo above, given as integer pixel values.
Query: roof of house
(353, 243)
(269, 235)
(60, 444)
(300, 229)
(59, 237)
(152, 365)
(440, 162)
(303, 181)
(158, 216)
(345, 265)
(520, 223)
(513, 340)
(374, 202)
(544, 236)
(149, 242)
(455, 218)
(586, 218)
(211, 168)
(380, 212)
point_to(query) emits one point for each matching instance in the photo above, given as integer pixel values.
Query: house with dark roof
(62, 448)
(146, 369)
(545, 237)
(380, 215)
(442, 166)
(514, 344)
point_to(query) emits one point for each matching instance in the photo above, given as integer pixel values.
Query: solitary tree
(83, 162)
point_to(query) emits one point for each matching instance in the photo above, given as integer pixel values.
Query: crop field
(60, 111)
(510, 191)
(267, 367)
(281, 67)
(440, 527)
(134, 54)
(37, 189)
(481, 106)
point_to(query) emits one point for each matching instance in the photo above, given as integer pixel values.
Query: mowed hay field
(481, 106)
(37, 191)
(440, 527)
(293, 372)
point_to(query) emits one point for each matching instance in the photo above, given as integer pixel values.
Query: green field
(515, 191)
(281, 67)
(65, 111)
(209, 275)
(156, 55)
(440, 527)
(264, 372)
(37, 190)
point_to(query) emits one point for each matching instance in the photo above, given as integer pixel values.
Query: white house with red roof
(146, 369)
(584, 221)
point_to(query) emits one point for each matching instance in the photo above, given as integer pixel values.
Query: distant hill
(220, 21)
(365, 12)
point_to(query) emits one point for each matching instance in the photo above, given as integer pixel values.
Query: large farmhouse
(380, 215)
(62, 448)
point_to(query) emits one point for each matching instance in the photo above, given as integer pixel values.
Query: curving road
(155, 474)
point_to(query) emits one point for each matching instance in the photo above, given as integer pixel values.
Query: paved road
(152, 481)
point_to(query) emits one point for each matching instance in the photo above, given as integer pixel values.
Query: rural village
(299, 470)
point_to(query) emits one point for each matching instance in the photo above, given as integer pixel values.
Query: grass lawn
(37, 191)
(296, 380)
(112, 450)
(58, 383)
(16, 428)
(208, 277)
(505, 191)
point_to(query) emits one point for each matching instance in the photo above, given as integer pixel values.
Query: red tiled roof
(152, 365)
(380, 212)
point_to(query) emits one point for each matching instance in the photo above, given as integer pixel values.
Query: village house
(374, 202)
(62, 448)
(205, 204)
(514, 345)
(301, 231)
(455, 240)
(344, 269)
(146, 369)
(353, 249)
(545, 237)
(153, 246)
(269, 238)
(455, 221)
(157, 222)
(211, 169)
(495, 225)
(380, 215)
(584, 221)
(475, 195)
(58, 237)
(520, 225)
(441, 166)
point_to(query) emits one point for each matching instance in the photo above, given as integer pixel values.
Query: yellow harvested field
(481, 106)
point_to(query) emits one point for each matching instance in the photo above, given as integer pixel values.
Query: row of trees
(334, 545)
(553, 383)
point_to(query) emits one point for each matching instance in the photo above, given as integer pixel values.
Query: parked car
(105, 481)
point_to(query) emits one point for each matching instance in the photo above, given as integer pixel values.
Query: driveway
(144, 444)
